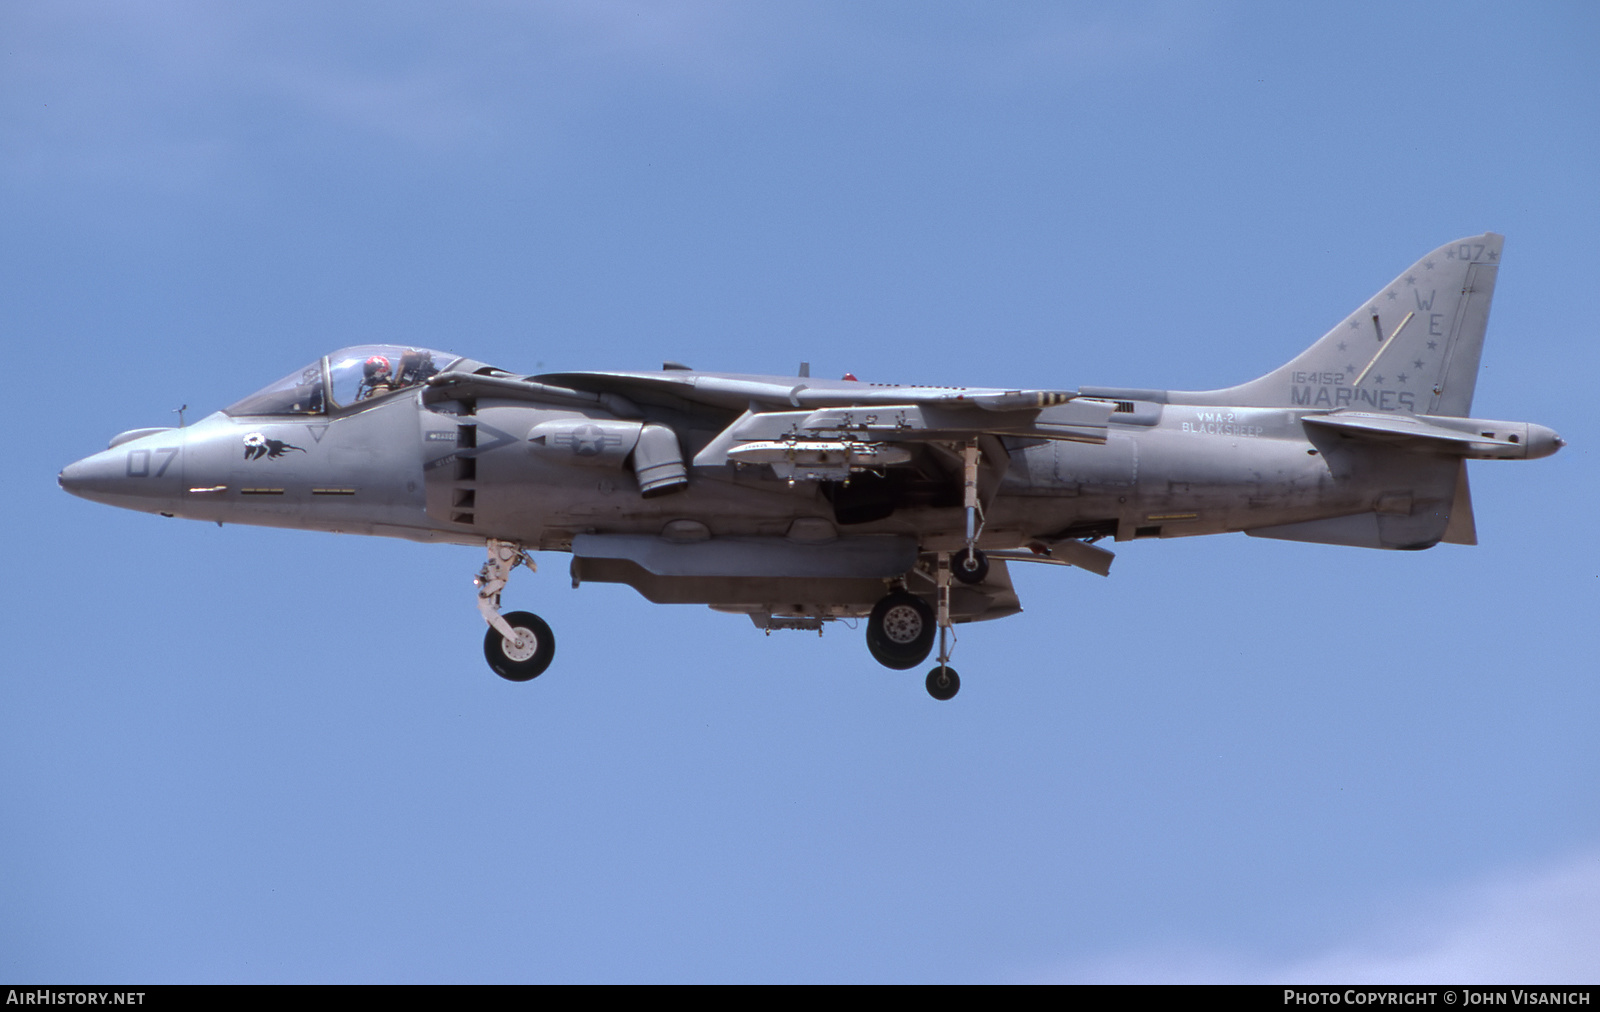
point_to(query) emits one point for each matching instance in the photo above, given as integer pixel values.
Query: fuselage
(395, 465)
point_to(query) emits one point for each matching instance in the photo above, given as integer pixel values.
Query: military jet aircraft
(799, 501)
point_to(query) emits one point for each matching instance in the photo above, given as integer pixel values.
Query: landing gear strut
(901, 630)
(943, 682)
(970, 565)
(518, 646)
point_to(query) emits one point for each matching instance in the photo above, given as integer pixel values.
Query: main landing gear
(519, 646)
(900, 632)
(901, 629)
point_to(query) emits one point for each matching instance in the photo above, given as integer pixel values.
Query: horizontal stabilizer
(1479, 438)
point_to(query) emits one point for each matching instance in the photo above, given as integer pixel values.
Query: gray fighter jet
(799, 501)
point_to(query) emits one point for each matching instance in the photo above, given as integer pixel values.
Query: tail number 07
(139, 461)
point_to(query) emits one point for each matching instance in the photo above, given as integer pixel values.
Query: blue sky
(252, 755)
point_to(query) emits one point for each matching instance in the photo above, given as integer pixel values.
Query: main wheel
(943, 683)
(969, 567)
(527, 656)
(900, 631)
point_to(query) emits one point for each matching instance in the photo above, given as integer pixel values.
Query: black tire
(943, 683)
(520, 664)
(970, 569)
(900, 631)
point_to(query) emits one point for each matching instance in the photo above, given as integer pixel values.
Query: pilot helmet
(376, 369)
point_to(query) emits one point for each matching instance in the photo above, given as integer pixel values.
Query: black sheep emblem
(257, 446)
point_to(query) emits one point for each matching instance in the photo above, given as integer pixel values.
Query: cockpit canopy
(346, 378)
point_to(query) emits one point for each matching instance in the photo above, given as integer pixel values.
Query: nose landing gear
(519, 646)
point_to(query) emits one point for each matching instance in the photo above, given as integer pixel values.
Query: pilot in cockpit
(375, 378)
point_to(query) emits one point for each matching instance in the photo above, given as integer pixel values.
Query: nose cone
(98, 477)
(1542, 442)
(144, 474)
(93, 476)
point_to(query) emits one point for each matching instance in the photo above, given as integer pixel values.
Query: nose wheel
(519, 646)
(525, 655)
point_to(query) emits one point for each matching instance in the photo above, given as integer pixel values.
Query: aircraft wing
(793, 392)
(804, 428)
(801, 407)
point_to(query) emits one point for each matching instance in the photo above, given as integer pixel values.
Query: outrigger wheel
(969, 565)
(526, 657)
(900, 630)
(943, 683)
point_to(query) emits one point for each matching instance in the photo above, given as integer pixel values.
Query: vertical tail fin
(1414, 346)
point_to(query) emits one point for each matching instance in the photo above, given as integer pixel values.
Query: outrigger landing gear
(970, 565)
(519, 646)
